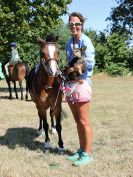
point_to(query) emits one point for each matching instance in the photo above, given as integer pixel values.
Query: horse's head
(49, 53)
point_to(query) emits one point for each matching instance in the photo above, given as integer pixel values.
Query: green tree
(23, 21)
(122, 17)
(99, 41)
(64, 35)
(117, 54)
(119, 42)
(112, 53)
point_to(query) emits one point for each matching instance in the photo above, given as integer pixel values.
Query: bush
(118, 69)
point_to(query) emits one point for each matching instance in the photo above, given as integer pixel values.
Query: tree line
(24, 21)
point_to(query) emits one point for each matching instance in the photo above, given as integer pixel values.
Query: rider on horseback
(14, 57)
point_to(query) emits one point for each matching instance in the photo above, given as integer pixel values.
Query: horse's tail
(29, 81)
(28, 69)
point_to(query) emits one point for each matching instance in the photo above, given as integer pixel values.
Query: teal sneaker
(75, 156)
(84, 159)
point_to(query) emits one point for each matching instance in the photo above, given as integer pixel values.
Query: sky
(96, 12)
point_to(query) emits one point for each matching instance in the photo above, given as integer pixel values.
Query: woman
(79, 100)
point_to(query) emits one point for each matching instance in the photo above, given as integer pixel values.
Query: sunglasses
(76, 24)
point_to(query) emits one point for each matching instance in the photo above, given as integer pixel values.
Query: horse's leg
(59, 129)
(26, 95)
(53, 128)
(47, 145)
(9, 88)
(21, 89)
(15, 90)
(27, 87)
(39, 132)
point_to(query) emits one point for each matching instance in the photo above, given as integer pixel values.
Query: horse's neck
(45, 78)
(42, 70)
(41, 74)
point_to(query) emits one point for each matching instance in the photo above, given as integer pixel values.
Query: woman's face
(75, 26)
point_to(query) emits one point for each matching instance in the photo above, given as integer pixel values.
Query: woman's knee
(83, 123)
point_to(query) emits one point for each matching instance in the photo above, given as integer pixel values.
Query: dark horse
(17, 72)
(45, 89)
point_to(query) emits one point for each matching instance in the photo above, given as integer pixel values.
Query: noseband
(50, 68)
(46, 62)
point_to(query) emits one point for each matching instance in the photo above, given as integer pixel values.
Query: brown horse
(17, 72)
(45, 89)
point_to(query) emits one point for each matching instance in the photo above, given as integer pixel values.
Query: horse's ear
(40, 40)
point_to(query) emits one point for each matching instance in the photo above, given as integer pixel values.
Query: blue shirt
(89, 54)
(14, 56)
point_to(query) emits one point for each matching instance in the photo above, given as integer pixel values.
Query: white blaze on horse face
(53, 64)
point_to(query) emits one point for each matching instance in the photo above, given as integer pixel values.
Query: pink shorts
(81, 93)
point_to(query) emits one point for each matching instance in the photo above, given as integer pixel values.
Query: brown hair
(79, 15)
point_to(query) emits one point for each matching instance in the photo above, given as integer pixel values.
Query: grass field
(21, 152)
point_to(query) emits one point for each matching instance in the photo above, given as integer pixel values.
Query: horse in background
(45, 90)
(17, 72)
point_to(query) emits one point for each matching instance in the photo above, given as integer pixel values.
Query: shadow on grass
(4, 89)
(13, 98)
(4, 97)
(24, 137)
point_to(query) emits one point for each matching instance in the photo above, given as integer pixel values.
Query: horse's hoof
(61, 151)
(39, 133)
(47, 150)
(53, 131)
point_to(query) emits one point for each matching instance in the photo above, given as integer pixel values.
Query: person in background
(79, 100)
(14, 57)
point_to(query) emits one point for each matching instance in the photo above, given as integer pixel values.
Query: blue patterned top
(89, 53)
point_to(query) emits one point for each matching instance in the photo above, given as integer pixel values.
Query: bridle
(45, 64)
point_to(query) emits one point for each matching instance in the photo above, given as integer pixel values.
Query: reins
(44, 64)
(52, 108)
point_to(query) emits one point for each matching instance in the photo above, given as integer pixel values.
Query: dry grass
(21, 152)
